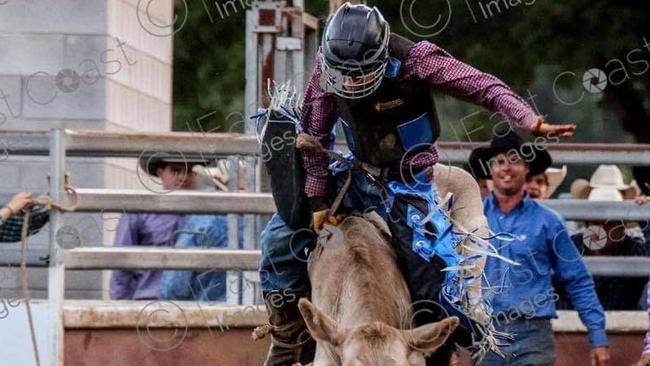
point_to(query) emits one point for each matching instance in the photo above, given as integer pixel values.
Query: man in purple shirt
(151, 229)
(378, 86)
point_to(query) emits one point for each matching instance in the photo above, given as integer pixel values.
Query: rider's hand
(321, 219)
(599, 356)
(541, 128)
(19, 201)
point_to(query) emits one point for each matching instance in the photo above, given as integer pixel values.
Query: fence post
(233, 278)
(56, 271)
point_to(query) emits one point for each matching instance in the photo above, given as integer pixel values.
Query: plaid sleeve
(317, 119)
(442, 71)
(11, 228)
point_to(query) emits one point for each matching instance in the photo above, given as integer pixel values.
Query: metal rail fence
(113, 144)
(60, 144)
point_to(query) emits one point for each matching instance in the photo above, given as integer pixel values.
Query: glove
(320, 217)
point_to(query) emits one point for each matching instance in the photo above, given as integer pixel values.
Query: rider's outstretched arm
(443, 72)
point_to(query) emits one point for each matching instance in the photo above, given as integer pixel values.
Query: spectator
(607, 177)
(209, 231)
(642, 185)
(610, 238)
(642, 178)
(150, 229)
(542, 186)
(11, 218)
(541, 245)
(201, 231)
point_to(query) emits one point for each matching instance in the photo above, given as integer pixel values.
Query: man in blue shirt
(522, 297)
(200, 231)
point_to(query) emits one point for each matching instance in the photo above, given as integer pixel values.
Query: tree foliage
(527, 43)
(209, 68)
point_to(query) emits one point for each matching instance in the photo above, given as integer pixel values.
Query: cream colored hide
(361, 314)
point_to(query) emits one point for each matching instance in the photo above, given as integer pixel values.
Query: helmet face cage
(352, 78)
(351, 82)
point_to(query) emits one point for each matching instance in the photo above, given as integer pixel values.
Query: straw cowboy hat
(537, 158)
(213, 176)
(554, 177)
(606, 184)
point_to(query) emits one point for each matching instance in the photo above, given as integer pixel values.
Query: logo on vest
(379, 106)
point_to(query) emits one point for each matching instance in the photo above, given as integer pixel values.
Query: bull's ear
(429, 337)
(321, 327)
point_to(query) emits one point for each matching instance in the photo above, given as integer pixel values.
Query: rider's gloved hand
(320, 209)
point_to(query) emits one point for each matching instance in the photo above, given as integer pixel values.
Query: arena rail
(96, 143)
(100, 258)
(122, 200)
(60, 144)
(69, 143)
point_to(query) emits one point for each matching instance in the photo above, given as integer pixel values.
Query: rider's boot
(291, 343)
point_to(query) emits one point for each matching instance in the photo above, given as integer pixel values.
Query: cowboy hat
(554, 178)
(606, 184)
(537, 158)
(152, 161)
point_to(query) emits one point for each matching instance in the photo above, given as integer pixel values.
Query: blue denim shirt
(542, 246)
(200, 231)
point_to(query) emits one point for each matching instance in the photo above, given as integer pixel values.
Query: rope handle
(309, 143)
(48, 203)
(25, 289)
(265, 329)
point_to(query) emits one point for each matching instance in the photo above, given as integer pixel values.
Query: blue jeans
(283, 265)
(533, 344)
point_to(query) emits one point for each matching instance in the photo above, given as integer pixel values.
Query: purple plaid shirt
(443, 72)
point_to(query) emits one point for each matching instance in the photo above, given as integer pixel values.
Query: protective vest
(396, 121)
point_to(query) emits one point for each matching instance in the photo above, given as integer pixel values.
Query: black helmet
(354, 51)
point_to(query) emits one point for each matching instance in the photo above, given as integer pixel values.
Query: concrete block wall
(121, 80)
